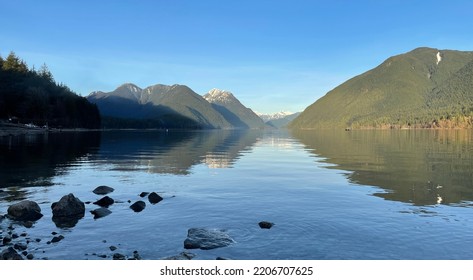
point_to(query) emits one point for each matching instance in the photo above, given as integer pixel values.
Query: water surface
(331, 194)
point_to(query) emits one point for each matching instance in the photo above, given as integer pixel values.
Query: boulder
(105, 201)
(25, 210)
(138, 206)
(100, 212)
(10, 254)
(206, 239)
(265, 224)
(67, 206)
(154, 198)
(101, 190)
(68, 211)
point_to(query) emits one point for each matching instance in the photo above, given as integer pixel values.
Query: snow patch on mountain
(439, 58)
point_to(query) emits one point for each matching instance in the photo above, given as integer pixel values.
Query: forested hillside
(32, 96)
(425, 88)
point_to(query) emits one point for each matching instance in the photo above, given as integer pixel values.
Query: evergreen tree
(44, 73)
(13, 63)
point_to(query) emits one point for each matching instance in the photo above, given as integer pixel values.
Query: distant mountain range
(176, 106)
(422, 88)
(278, 120)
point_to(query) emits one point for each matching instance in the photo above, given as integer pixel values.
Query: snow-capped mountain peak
(274, 116)
(219, 96)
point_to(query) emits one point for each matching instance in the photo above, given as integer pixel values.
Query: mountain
(278, 120)
(232, 110)
(158, 106)
(422, 88)
(283, 121)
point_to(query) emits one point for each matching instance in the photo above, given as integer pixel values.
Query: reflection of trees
(174, 152)
(422, 167)
(31, 160)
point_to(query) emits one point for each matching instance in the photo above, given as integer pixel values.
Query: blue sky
(273, 55)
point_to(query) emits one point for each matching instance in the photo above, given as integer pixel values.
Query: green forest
(31, 96)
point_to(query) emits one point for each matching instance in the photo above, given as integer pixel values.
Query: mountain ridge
(398, 93)
(175, 106)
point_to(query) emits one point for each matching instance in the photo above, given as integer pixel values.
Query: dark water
(331, 194)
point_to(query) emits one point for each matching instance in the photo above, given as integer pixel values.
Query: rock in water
(104, 201)
(10, 254)
(67, 206)
(103, 190)
(206, 239)
(100, 212)
(154, 198)
(25, 211)
(265, 224)
(68, 211)
(143, 194)
(138, 206)
(182, 256)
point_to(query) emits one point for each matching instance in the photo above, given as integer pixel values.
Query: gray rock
(67, 206)
(57, 239)
(206, 239)
(10, 254)
(154, 198)
(182, 256)
(25, 210)
(138, 206)
(105, 201)
(143, 194)
(103, 190)
(68, 211)
(20, 246)
(100, 212)
(118, 256)
(265, 224)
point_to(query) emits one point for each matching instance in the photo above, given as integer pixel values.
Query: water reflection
(174, 152)
(30, 160)
(422, 167)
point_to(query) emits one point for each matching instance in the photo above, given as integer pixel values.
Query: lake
(370, 194)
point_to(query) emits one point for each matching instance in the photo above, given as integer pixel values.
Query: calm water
(331, 194)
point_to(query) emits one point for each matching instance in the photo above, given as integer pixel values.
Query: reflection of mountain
(420, 167)
(174, 152)
(30, 160)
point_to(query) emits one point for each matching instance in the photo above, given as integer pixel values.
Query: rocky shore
(17, 244)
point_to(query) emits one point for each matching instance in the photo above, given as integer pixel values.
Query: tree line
(32, 96)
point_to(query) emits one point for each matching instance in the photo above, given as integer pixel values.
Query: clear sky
(273, 55)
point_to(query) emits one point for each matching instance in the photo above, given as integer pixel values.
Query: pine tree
(13, 63)
(44, 73)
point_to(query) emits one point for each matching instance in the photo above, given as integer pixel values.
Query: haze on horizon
(272, 55)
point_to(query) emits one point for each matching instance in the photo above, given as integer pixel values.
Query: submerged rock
(154, 198)
(25, 210)
(57, 239)
(206, 239)
(118, 256)
(182, 256)
(103, 190)
(265, 224)
(100, 212)
(10, 254)
(105, 201)
(138, 206)
(143, 194)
